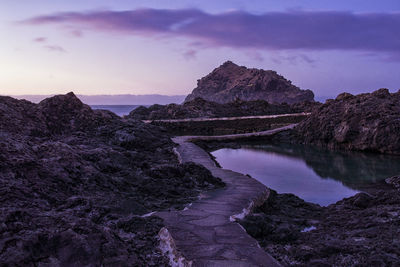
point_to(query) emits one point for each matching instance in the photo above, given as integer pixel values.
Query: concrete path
(238, 136)
(231, 118)
(206, 234)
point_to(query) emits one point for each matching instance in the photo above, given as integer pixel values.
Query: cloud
(307, 59)
(254, 55)
(55, 48)
(40, 40)
(293, 59)
(190, 54)
(76, 33)
(305, 30)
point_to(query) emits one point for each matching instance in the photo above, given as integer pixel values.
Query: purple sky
(145, 47)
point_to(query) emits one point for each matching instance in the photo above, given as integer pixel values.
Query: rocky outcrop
(362, 230)
(394, 181)
(365, 122)
(229, 82)
(74, 184)
(200, 108)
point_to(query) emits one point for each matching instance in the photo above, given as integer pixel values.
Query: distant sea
(120, 110)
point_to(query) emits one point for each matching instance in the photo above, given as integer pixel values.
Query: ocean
(120, 110)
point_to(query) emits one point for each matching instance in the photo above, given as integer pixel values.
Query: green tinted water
(316, 175)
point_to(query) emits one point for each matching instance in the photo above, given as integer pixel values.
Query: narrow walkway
(206, 234)
(238, 136)
(231, 118)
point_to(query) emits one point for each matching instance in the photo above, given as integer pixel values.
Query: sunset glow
(146, 47)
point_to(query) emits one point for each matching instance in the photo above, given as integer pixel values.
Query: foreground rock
(200, 108)
(74, 183)
(363, 230)
(366, 122)
(229, 82)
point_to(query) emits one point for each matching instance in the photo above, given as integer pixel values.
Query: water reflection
(316, 175)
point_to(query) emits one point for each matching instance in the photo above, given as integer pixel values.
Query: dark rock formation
(200, 108)
(224, 127)
(229, 82)
(362, 230)
(365, 122)
(74, 183)
(394, 181)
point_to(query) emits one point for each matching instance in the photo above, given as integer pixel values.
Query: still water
(316, 175)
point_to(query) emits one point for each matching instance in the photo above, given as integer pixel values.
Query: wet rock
(281, 219)
(229, 82)
(362, 230)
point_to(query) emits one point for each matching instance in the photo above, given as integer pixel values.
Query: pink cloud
(76, 33)
(190, 54)
(40, 40)
(293, 59)
(55, 48)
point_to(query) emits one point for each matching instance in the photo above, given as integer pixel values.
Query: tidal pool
(316, 175)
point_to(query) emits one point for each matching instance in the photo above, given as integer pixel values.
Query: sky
(163, 47)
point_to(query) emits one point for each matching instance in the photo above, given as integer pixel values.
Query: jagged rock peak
(228, 64)
(67, 99)
(229, 82)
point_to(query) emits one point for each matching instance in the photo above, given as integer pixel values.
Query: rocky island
(231, 91)
(229, 82)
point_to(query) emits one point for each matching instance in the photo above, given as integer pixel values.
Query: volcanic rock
(230, 82)
(394, 181)
(365, 122)
(362, 230)
(74, 184)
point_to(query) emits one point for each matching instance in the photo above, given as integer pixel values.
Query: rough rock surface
(74, 183)
(229, 82)
(200, 108)
(363, 230)
(365, 122)
(394, 181)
